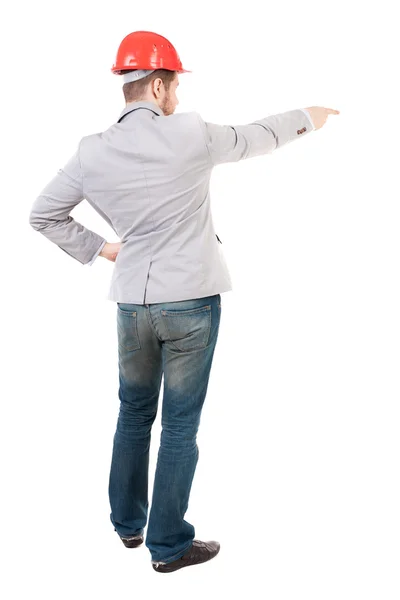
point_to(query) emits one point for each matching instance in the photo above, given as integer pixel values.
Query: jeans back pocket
(128, 338)
(188, 329)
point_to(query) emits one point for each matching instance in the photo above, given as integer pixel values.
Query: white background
(298, 474)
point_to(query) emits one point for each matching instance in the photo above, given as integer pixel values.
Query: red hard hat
(146, 50)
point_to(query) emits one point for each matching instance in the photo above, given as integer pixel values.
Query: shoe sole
(132, 543)
(168, 568)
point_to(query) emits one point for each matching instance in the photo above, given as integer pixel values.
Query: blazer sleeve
(50, 214)
(231, 143)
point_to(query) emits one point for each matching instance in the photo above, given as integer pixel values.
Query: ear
(157, 86)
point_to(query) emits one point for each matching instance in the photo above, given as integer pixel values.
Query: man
(148, 176)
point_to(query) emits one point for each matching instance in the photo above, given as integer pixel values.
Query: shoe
(199, 552)
(132, 542)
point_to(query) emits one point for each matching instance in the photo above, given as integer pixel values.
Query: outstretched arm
(231, 143)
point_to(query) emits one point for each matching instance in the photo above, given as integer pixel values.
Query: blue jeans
(176, 339)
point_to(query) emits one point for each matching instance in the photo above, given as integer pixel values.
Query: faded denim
(177, 340)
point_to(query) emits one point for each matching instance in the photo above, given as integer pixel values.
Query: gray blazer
(148, 176)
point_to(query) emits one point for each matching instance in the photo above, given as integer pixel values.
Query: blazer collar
(141, 104)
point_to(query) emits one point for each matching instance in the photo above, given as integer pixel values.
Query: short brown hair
(135, 90)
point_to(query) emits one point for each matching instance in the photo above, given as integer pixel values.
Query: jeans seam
(151, 324)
